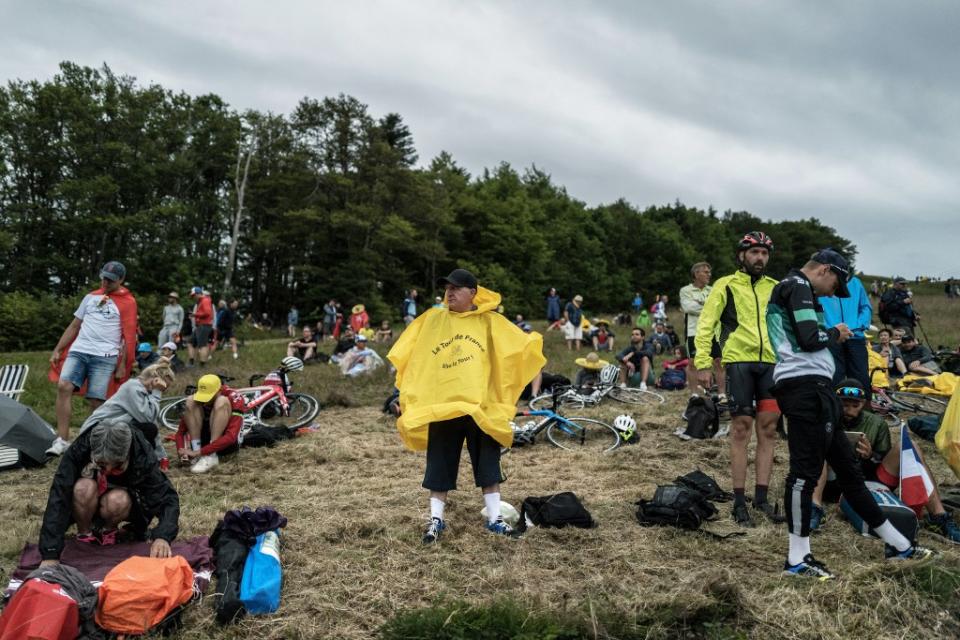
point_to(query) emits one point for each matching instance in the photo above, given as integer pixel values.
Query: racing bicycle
(574, 398)
(570, 433)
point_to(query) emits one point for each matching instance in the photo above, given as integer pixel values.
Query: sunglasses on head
(852, 393)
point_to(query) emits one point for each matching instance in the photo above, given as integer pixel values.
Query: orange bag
(140, 592)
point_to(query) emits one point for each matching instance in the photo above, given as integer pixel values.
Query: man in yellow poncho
(460, 370)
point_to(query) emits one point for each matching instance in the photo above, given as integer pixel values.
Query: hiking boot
(809, 568)
(434, 529)
(916, 553)
(108, 537)
(58, 447)
(205, 463)
(816, 517)
(87, 537)
(944, 525)
(772, 512)
(500, 527)
(741, 515)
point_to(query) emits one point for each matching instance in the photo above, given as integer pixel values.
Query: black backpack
(704, 485)
(557, 510)
(675, 506)
(703, 419)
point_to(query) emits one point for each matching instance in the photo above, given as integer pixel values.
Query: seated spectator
(636, 358)
(588, 377)
(367, 333)
(518, 320)
(896, 367)
(438, 302)
(145, 355)
(210, 424)
(601, 337)
(360, 359)
(384, 333)
(660, 340)
(672, 334)
(344, 344)
(680, 359)
(137, 403)
(109, 475)
(306, 347)
(169, 352)
(879, 459)
(918, 357)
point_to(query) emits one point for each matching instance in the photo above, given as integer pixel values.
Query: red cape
(127, 306)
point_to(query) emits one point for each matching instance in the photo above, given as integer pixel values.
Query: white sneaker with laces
(643, 386)
(205, 463)
(58, 447)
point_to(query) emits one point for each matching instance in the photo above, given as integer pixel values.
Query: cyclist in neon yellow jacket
(736, 309)
(460, 371)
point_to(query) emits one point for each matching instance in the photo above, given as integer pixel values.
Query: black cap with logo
(839, 265)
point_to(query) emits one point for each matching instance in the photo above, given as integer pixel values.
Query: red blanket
(127, 306)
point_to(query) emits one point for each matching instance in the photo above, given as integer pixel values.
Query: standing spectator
(660, 309)
(553, 309)
(329, 318)
(464, 389)
(173, 317)
(293, 320)
(573, 314)
(896, 306)
(199, 347)
(225, 326)
(359, 320)
(410, 306)
(96, 350)
(637, 303)
(692, 298)
(855, 312)
(737, 309)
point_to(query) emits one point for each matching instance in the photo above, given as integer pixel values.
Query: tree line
(328, 201)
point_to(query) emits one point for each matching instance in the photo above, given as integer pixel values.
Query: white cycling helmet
(625, 424)
(609, 374)
(292, 363)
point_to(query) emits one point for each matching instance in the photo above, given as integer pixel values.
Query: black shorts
(225, 333)
(201, 335)
(749, 386)
(715, 351)
(444, 445)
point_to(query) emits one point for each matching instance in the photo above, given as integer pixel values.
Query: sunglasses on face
(851, 393)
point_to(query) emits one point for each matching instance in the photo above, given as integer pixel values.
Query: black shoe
(770, 511)
(741, 515)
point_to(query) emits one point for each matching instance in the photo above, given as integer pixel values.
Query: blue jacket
(855, 311)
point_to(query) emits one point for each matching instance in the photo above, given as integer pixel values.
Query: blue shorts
(96, 371)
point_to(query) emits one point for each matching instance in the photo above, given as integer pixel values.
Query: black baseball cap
(113, 270)
(459, 278)
(907, 337)
(839, 265)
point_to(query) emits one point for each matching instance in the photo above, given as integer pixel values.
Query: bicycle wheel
(171, 413)
(633, 395)
(567, 401)
(583, 434)
(303, 409)
(919, 402)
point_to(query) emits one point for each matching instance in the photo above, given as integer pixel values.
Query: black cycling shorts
(749, 386)
(715, 351)
(201, 335)
(444, 445)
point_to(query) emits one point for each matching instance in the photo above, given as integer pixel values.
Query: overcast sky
(847, 111)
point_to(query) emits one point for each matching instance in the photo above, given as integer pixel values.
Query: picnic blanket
(95, 562)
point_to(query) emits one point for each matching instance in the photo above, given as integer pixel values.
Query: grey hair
(696, 267)
(110, 441)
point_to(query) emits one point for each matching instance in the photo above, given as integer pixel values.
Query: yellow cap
(207, 387)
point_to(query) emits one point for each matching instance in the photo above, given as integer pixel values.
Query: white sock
(799, 548)
(892, 537)
(492, 501)
(436, 508)
(195, 445)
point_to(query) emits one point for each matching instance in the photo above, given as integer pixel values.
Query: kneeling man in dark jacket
(109, 475)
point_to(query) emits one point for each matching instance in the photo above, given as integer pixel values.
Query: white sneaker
(58, 447)
(205, 463)
(235, 356)
(643, 386)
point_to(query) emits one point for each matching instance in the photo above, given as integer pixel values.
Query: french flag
(915, 483)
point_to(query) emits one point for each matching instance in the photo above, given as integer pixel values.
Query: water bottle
(262, 575)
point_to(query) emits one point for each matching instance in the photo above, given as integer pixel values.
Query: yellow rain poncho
(948, 436)
(943, 384)
(474, 363)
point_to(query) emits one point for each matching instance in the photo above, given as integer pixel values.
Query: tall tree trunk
(241, 187)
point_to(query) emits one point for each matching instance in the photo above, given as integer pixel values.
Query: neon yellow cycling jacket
(738, 306)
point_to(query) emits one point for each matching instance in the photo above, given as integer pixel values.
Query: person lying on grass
(109, 475)
(210, 424)
(879, 459)
(460, 371)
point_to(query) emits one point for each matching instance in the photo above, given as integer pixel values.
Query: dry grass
(352, 556)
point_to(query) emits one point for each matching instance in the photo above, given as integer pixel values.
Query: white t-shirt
(100, 333)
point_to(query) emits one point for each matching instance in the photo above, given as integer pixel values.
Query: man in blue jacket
(855, 312)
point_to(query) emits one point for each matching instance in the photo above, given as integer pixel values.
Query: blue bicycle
(572, 434)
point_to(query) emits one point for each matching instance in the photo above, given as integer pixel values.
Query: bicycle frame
(571, 428)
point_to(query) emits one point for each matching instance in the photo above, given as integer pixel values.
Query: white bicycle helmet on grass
(291, 363)
(626, 425)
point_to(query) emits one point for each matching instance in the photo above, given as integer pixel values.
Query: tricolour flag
(916, 486)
